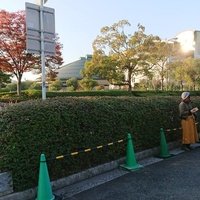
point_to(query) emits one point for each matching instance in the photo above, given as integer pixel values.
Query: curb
(91, 172)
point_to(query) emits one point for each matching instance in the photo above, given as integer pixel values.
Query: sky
(78, 22)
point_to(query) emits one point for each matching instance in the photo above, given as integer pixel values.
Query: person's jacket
(184, 110)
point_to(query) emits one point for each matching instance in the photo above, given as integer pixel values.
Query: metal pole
(42, 52)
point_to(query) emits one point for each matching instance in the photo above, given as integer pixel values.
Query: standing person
(188, 115)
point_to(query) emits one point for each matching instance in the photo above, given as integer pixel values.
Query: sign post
(42, 52)
(40, 25)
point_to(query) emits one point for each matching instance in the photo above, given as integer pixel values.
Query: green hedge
(60, 126)
(37, 94)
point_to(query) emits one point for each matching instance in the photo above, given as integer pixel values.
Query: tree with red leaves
(14, 58)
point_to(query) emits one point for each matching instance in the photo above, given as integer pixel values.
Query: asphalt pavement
(177, 177)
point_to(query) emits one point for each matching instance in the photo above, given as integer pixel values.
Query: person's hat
(185, 95)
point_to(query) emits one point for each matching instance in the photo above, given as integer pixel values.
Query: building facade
(190, 42)
(73, 70)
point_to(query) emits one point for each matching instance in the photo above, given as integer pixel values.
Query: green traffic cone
(164, 153)
(130, 163)
(44, 185)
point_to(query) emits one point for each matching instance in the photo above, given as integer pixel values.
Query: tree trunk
(181, 85)
(129, 81)
(162, 83)
(194, 87)
(19, 81)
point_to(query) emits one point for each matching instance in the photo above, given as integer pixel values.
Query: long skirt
(189, 129)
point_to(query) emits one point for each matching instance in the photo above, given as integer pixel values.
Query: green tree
(26, 84)
(116, 53)
(161, 55)
(4, 79)
(72, 83)
(105, 67)
(179, 74)
(192, 72)
(35, 86)
(55, 85)
(88, 83)
(11, 87)
(160, 58)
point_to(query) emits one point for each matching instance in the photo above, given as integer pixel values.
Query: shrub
(70, 88)
(99, 87)
(2, 90)
(72, 83)
(11, 86)
(35, 86)
(32, 93)
(60, 126)
(55, 85)
(87, 84)
(26, 84)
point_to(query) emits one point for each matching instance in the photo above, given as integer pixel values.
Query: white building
(190, 42)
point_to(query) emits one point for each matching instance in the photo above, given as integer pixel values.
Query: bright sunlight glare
(186, 39)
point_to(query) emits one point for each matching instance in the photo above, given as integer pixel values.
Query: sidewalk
(72, 187)
(173, 178)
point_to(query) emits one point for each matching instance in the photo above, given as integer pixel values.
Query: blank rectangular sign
(33, 29)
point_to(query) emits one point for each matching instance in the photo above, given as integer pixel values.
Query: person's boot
(189, 147)
(185, 147)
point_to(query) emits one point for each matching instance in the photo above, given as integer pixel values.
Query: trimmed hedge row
(37, 94)
(60, 126)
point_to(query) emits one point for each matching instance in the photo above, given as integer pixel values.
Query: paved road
(174, 178)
